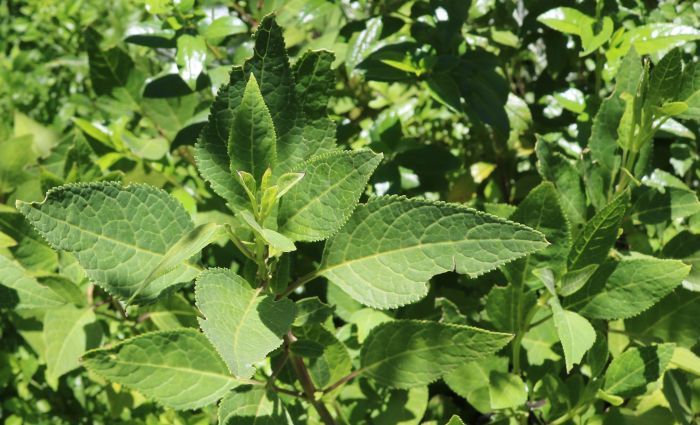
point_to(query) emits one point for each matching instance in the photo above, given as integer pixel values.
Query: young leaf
(455, 420)
(391, 246)
(118, 234)
(252, 144)
(243, 326)
(180, 369)
(68, 333)
(566, 20)
(506, 390)
(630, 372)
(277, 241)
(409, 353)
(471, 380)
(322, 201)
(248, 404)
(19, 290)
(575, 333)
(598, 236)
(623, 289)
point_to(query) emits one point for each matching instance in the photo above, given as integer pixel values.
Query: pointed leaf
(630, 372)
(118, 234)
(243, 326)
(19, 290)
(409, 353)
(575, 333)
(253, 143)
(674, 319)
(392, 246)
(323, 200)
(179, 369)
(108, 68)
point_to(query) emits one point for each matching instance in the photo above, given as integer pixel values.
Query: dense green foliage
(349, 212)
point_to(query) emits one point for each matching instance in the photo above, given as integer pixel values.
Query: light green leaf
(630, 372)
(652, 38)
(243, 326)
(68, 333)
(224, 26)
(541, 211)
(366, 320)
(312, 311)
(277, 241)
(539, 340)
(252, 405)
(171, 313)
(455, 420)
(598, 236)
(590, 41)
(179, 369)
(656, 204)
(402, 407)
(575, 333)
(43, 139)
(689, 91)
(19, 290)
(471, 380)
(18, 155)
(190, 58)
(566, 20)
(686, 360)
(409, 353)
(506, 390)
(323, 200)
(118, 234)
(252, 144)
(391, 246)
(623, 289)
(6, 241)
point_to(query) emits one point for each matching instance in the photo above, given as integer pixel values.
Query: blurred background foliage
(452, 92)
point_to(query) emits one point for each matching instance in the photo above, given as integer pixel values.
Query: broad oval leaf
(180, 369)
(409, 353)
(391, 246)
(575, 333)
(630, 372)
(252, 405)
(118, 234)
(323, 200)
(243, 325)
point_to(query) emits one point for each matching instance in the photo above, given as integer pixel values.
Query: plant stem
(342, 381)
(307, 384)
(302, 280)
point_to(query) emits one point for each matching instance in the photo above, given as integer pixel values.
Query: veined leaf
(252, 405)
(19, 290)
(471, 380)
(555, 167)
(674, 319)
(507, 306)
(630, 372)
(118, 234)
(68, 333)
(333, 362)
(623, 289)
(391, 246)
(252, 144)
(180, 369)
(575, 333)
(323, 200)
(108, 69)
(409, 353)
(243, 325)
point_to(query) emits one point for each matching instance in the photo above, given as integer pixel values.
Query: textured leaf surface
(180, 369)
(333, 363)
(409, 353)
(391, 246)
(243, 326)
(541, 211)
(68, 333)
(630, 372)
(507, 307)
(19, 290)
(252, 145)
(247, 405)
(471, 380)
(622, 289)
(575, 333)
(674, 319)
(118, 234)
(322, 201)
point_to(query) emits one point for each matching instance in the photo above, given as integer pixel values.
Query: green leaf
(455, 420)
(663, 80)
(108, 68)
(689, 91)
(179, 369)
(334, 362)
(471, 380)
(599, 234)
(507, 306)
(685, 246)
(224, 26)
(68, 333)
(243, 325)
(323, 200)
(674, 319)
(276, 241)
(630, 372)
(506, 390)
(312, 311)
(409, 353)
(190, 58)
(575, 333)
(623, 289)
(663, 198)
(555, 167)
(566, 20)
(401, 407)
(541, 211)
(391, 246)
(118, 234)
(652, 38)
(367, 319)
(253, 142)
(248, 405)
(19, 290)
